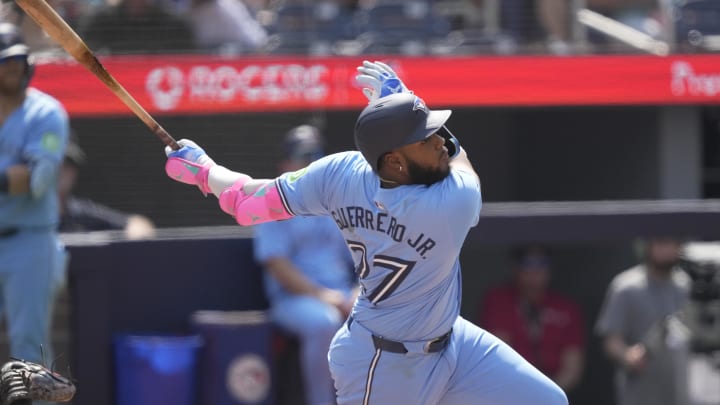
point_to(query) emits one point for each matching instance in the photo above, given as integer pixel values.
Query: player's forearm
(15, 180)
(571, 369)
(290, 277)
(43, 177)
(220, 178)
(250, 201)
(615, 348)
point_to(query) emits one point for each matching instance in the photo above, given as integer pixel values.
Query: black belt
(431, 346)
(8, 232)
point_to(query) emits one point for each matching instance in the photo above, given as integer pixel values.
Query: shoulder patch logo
(294, 176)
(50, 142)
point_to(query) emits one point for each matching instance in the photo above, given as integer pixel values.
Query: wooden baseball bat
(60, 31)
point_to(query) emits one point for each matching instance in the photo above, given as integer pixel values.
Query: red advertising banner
(202, 84)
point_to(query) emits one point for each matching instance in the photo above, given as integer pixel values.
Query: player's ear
(391, 161)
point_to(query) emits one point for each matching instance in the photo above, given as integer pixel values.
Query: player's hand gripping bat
(61, 33)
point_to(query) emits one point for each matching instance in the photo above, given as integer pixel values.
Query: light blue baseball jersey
(36, 131)
(405, 241)
(312, 244)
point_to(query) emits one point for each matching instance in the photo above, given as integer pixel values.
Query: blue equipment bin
(236, 357)
(152, 370)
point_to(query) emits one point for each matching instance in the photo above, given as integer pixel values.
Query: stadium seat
(475, 27)
(698, 25)
(404, 27)
(310, 28)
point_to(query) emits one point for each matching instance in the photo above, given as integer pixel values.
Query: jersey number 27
(399, 270)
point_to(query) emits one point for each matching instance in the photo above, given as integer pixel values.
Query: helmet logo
(420, 105)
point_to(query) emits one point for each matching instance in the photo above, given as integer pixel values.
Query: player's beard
(12, 77)
(663, 266)
(425, 175)
(11, 87)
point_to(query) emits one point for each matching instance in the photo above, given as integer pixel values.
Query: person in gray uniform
(649, 362)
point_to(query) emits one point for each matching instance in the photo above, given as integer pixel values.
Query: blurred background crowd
(412, 27)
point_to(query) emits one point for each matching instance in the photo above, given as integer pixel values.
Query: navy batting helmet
(394, 121)
(303, 143)
(12, 46)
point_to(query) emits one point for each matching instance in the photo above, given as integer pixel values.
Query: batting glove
(379, 80)
(451, 142)
(189, 164)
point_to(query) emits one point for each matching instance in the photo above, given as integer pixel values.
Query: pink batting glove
(189, 164)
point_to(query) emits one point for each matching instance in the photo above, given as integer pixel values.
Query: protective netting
(410, 27)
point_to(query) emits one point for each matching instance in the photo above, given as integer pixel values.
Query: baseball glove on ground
(22, 380)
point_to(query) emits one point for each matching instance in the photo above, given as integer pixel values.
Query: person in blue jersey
(33, 136)
(404, 203)
(309, 279)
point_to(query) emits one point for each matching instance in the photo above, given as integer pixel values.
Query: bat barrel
(60, 32)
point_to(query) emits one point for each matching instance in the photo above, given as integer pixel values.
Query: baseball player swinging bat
(60, 31)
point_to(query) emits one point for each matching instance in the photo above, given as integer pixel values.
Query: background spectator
(136, 26)
(33, 35)
(84, 215)
(309, 280)
(226, 25)
(533, 22)
(637, 302)
(33, 135)
(543, 326)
